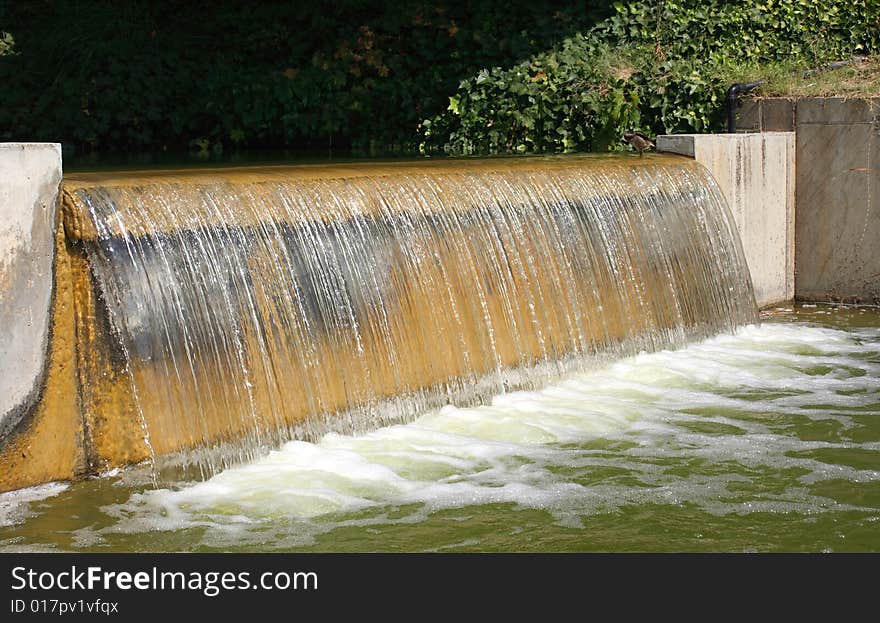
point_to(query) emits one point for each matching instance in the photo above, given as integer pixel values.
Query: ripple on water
(780, 418)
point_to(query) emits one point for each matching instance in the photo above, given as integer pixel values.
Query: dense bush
(661, 65)
(155, 74)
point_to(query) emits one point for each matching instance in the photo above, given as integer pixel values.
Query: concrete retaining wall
(756, 174)
(837, 235)
(30, 176)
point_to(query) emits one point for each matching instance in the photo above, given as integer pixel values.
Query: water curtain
(230, 310)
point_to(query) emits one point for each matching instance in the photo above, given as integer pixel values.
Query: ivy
(661, 65)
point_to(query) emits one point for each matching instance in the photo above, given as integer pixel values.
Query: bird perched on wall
(639, 140)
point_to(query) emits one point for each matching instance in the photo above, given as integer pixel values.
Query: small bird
(639, 140)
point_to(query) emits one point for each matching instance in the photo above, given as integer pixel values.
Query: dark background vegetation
(485, 76)
(116, 75)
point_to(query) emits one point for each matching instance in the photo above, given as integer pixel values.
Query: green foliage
(7, 44)
(220, 74)
(561, 99)
(663, 65)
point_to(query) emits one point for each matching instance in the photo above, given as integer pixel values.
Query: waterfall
(242, 307)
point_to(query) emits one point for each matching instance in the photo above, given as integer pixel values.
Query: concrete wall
(756, 174)
(837, 235)
(30, 176)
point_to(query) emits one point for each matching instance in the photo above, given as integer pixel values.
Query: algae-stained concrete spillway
(40, 417)
(209, 314)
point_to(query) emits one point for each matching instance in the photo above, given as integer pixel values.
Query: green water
(766, 440)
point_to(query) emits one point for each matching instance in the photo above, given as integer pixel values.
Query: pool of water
(765, 440)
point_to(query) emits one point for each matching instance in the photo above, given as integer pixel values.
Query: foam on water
(15, 506)
(779, 419)
(725, 425)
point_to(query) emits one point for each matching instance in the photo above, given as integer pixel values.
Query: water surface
(763, 440)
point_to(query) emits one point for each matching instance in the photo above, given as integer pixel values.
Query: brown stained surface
(347, 170)
(48, 445)
(188, 184)
(113, 431)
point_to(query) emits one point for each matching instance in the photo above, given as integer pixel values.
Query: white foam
(537, 449)
(15, 505)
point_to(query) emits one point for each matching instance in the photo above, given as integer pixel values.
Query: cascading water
(251, 305)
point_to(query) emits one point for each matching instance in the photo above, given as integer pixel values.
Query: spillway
(221, 312)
